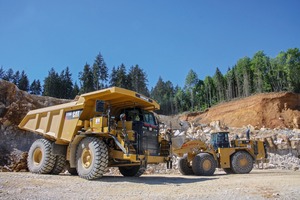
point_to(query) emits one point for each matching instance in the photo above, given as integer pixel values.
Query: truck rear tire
(40, 158)
(91, 158)
(204, 164)
(184, 166)
(241, 162)
(136, 170)
(59, 165)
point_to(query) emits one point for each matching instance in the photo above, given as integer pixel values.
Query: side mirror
(100, 106)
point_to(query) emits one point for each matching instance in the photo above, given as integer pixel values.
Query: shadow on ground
(154, 180)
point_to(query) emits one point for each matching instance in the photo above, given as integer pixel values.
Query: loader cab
(219, 140)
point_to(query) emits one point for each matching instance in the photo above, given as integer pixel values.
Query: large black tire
(91, 158)
(184, 166)
(241, 162)
(59, 165)
(204, 164)
(136, 170)
(40, 158)
(228, 171)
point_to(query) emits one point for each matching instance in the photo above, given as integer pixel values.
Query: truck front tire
(40, 158)
(91, 158)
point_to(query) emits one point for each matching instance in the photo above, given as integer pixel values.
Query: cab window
(149, 118)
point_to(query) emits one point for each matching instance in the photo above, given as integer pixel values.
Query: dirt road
(259, 184)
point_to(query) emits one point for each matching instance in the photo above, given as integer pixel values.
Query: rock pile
(288, 162)
(17, 160)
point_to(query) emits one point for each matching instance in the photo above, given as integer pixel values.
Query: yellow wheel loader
(112, 127)
(237, 156)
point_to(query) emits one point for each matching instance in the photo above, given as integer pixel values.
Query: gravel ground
(259, 184)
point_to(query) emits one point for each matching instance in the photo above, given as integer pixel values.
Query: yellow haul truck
(112, 127)
(235, 157)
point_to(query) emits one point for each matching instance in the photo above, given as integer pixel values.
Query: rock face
(271, 110)
(14, 105)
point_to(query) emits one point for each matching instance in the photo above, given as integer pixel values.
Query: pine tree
(137, 80)
(35, 87)
(86, 80)
(23, 82)
(100, 72)
(244, 77)
(9, 75)
(52, 84)
(75, 91)
(16, 78)
(113, 77)
(103, 75)
(210, 91)
(121, 77)
(2, 72)
(66, 88)
(163, 92)
(191, 81)
(219, 83)
(181, 100)
(231, 84)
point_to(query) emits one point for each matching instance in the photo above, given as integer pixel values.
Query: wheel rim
(86, 158)
(206, 165)
(243, 162)
(37, 156)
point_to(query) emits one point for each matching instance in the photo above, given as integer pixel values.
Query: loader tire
(184, 166)
(131, 171)
(59, 165)
(241, 162)
(91, 158)
(228, 171)
(204, 164)
(40, 158)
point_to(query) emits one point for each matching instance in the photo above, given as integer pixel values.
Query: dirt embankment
(14, 105)
(272, 110)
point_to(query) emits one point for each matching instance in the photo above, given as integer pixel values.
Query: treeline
(248, 76)
(92, 77)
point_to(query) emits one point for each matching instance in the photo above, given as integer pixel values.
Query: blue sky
(166, 38)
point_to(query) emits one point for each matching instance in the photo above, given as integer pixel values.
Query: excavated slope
(14, 105)
(271, 110)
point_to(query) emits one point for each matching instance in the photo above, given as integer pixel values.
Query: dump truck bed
(61, 122)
